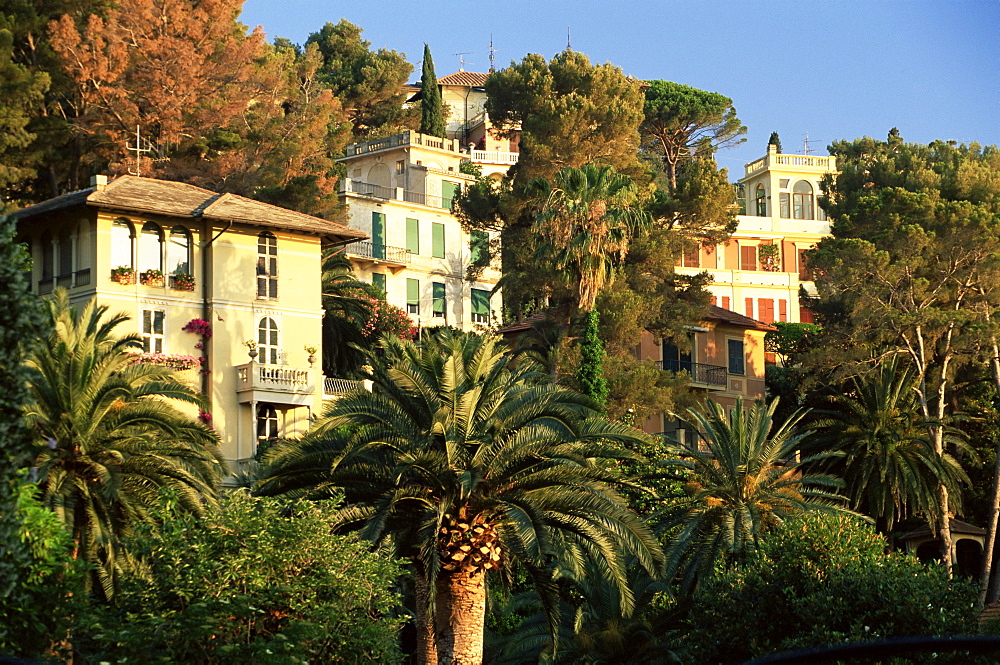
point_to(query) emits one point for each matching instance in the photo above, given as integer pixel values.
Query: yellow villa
(221, 285)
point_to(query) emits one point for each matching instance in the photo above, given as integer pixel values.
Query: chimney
(99, 182)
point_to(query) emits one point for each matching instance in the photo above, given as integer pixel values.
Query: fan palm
(742, 480)
(109, 437)
(466, 464)
(888, 461)
(587, 219)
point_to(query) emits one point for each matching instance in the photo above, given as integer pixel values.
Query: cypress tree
(590, 373)
(775, 141)
(431, 111)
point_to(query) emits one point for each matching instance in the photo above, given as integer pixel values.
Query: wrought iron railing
(709, 375)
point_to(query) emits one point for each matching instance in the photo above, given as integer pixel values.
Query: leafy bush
(821, 580)
(261, 581)
(36, 616)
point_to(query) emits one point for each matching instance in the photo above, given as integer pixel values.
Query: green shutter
(480, 306)
(438, 294)
(449, 190)
(413, 235)
(437, 240)
(479, 246)
(378, 235)
(378, 279)
(413, 292)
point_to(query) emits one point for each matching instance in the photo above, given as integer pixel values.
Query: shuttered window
(413, 236)
(480, 306)
(413, 296)
(437, 304)
(437, 240)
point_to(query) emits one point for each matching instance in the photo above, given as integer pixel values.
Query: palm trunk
(461, 604)
(426, 644)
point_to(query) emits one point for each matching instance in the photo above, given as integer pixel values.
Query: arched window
(121, 244)
(179, 251)
(267, 341)
(150, 248)
(267, 266)
(267, 423)
(802, 201)
(761, 199)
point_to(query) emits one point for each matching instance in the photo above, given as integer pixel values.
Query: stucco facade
(725, 361)
(759, 272)
(399, 192)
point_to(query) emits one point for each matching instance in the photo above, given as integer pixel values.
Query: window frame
(153, 338)
(268, 341)
(267, 266)
(803, 203)
(479, 297)
(738, 368)
(438, 299)
(412, 296)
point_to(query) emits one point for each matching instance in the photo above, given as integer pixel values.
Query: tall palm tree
(888, 461)
(743, 479)
(466, 464)
(109, 435)
(588, 217)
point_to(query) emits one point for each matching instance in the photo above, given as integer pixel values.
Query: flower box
(151, 277)
(123, 275)
(182, 281)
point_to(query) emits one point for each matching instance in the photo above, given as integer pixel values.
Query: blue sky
(835, 69)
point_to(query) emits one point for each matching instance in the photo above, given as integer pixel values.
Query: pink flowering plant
(174, 361)
(198, 327)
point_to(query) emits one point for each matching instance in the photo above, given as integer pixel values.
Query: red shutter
(749, 309)
(782, 310)
(805, 315)
(725, 302)
(765, 307)
(714, 300)
(748, 257)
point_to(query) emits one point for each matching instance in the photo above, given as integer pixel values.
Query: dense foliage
(823, 579)
(258, 580)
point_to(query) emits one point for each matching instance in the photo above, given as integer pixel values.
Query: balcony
(368, 254)
(493, 157)
(800, 163)
(361, 188)
(334, 388)
(713, 377)
(277, 384)
(407, 138)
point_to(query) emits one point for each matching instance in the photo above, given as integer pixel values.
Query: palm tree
(588, 217)
(742, 480)
(109, 436)
(467, 464)
(888, 461)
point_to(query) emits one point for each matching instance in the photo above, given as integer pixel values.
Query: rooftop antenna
(138, 149)
(492, 53)
(461, 60)
(569, 47)
(805, 145)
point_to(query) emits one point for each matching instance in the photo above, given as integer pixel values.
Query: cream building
(759, 272)
(399, 192)
(179, 259)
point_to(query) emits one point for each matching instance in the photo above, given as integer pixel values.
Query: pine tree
(431, 113)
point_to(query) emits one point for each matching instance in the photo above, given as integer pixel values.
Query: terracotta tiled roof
(468, 79)
(178, 199)
(716, 313)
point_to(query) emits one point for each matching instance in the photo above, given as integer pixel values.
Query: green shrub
(261, 581)
(821, 580)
